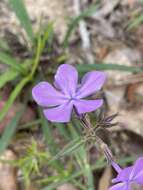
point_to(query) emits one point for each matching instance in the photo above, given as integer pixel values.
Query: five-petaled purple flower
(59, 101)
(128, 176)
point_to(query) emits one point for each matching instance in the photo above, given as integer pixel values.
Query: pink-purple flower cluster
(67, 95)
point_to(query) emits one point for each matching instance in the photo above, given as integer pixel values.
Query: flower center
(73, 98)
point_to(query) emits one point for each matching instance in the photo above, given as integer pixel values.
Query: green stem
(23, 82)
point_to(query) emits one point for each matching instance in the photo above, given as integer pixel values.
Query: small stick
(84, 34)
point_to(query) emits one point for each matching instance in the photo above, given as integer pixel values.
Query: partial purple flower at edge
(59, 101)
(128, 176)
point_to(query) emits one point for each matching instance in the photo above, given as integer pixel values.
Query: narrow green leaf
(8, 60)
(9, 132)
(9, 75)
(21, 13)
(102, 66)
(47, 35)
(82, 158)
(47, 132)
(69, 148)
(49, 139)
(135, 22)
(79, 184)
(30, 124)
(13, 96)
(63, 130)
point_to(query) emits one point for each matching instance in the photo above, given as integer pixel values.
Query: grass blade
(47, 132)
(49, 139)
(9, 131)
(101, 66)
(137, 21)
(9, 75)
(21, 13)
(13, 96)
(63, 130)
(8, 60)
(81, 156)
(68, 149)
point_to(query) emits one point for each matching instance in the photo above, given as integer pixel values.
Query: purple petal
(45, 95)
(120, 186)
(59, 114)
(137, 168)
(84, 106)
(123, 175)
(91, 83)
(66, 79)
(139, 178)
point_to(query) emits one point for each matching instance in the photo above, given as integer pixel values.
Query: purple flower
(59, 101)
(128, 176)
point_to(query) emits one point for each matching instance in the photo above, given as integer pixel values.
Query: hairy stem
(90, 132)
